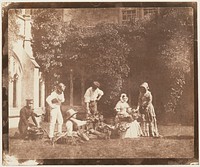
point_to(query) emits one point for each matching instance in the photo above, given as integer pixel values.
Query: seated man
(25, 113)
(72, 121)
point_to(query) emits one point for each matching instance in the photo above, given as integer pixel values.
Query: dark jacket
(25, 114)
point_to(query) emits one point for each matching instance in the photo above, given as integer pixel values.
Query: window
(27, 11)
(150, 11)
(128, 15)
(18, 11)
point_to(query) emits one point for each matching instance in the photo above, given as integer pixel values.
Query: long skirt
(134, 131)
(148, 122)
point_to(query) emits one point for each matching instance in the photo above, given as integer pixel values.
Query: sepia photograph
(99, 83)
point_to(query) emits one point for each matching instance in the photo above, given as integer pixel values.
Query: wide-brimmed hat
(70, 113)
(145, 85)
(123, 97)
(97, 84)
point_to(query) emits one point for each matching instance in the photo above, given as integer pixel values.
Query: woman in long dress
(128, 125)
(146, 109)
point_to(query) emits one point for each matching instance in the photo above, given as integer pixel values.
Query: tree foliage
(100, 50)
(157, 48)
(174, 51)
(163, 56)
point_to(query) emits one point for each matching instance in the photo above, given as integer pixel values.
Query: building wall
(36, 88)
(93, 16)
(22, 63)
(24, 83)
(28, 80)
(85, 17)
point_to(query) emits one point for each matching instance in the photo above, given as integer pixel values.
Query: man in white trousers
(54, 100)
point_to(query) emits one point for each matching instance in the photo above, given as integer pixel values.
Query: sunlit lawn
(177, 142)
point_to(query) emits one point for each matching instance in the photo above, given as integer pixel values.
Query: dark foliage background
(157, 49)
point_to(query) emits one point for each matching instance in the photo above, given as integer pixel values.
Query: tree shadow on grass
(179, 137)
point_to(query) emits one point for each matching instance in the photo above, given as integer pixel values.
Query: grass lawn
(177, 142)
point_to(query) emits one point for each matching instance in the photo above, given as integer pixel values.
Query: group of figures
(128, 122)
(140, 121)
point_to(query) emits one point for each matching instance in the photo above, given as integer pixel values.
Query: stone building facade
(94, 16)
(25, 80)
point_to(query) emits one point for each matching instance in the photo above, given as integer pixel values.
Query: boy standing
(54, 100)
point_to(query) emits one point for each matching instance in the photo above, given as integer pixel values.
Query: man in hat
(54, 100)
(72, 120)
(92, 95)
(25, 113)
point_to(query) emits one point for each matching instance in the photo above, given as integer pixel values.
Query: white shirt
(54, 96)
(121, 107)
(91, 95)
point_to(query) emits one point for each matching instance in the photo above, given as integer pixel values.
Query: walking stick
(46, 133)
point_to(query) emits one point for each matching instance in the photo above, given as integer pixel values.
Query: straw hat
(97, 84)
(70, 113)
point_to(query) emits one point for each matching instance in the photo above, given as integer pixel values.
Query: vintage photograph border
(160, 161)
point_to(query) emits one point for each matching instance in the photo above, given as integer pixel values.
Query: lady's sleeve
(117, 107)
(127, 105)
(149, 98)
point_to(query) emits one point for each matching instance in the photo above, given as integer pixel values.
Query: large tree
(163, 56)
(157, 48)
(100, 50)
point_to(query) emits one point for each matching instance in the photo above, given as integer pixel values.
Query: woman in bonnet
(131, 128)
(146, 109)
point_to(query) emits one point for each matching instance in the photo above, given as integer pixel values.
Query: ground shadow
(179, 137)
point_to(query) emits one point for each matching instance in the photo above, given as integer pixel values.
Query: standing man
(92, 95)
(25, 113)
(54, 100)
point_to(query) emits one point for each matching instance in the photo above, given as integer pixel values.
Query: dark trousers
(23, 128)
(93, 107)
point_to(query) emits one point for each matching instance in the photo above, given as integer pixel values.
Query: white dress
(133, 131)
